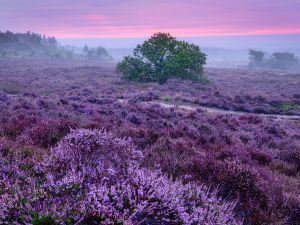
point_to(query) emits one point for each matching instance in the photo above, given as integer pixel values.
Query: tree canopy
(256, 57)
(161, 57)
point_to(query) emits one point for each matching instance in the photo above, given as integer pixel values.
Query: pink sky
(140, 18)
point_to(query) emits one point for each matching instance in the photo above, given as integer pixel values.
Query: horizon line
(175, 33)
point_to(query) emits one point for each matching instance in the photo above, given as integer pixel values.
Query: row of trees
(278, 60)
(94, 53)
(9, 38)
(35, 45)
(27, 44)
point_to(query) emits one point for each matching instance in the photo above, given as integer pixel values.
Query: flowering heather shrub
(235, 172)
(292, 156)
(93, 149)
(145, 97)
(3, 97)
(100, 181)
(47, 132)
(20, 177)
(171, 139)
(170, 154)
(148, 197)
(14, 126)
(256, 197)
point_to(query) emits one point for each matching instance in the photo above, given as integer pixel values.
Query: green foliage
(161, 57)
(135, 70)
(290, 106)
(166, 98)
(42, 220)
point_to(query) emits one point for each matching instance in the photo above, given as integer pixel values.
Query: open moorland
(78, 145)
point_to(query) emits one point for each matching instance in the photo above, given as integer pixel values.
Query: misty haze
(149, 112)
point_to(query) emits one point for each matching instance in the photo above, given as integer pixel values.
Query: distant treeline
(33, 45)
(276, 61)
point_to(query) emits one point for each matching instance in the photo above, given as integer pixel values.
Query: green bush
(161, 57)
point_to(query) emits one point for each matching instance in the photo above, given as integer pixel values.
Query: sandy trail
(190, 107)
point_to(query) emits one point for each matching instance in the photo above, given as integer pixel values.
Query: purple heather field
(149, 112)
(79, 145)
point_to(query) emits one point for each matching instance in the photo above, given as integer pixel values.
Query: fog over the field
(222, 51)
(238, 42)
(225, 30)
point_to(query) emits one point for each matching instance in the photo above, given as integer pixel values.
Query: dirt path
(221, 111)
(190, 107)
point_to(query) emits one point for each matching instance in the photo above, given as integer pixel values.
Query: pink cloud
(140, 18)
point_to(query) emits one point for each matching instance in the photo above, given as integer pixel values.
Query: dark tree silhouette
(277, 61)
(256, 58)
(283, 60)
(35, 45)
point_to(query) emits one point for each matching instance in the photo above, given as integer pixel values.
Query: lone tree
(161, 57)
(256, 58)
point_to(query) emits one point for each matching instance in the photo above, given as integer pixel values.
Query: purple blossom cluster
(79, 145)
(92, 176)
